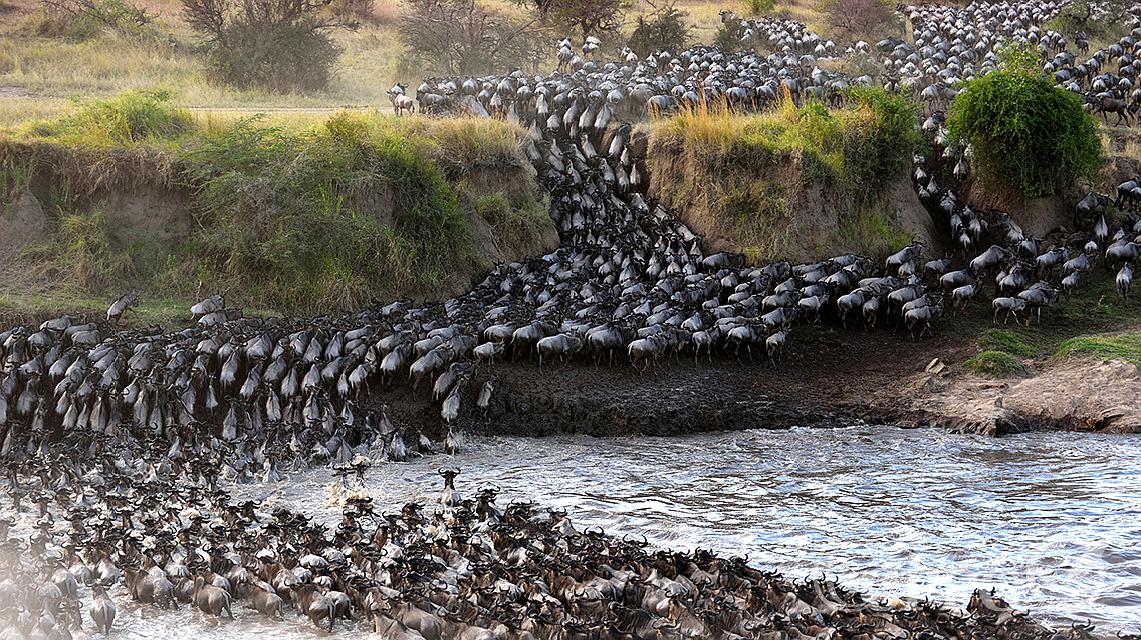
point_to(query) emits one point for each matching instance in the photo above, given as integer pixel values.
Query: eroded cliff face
(783, 209)
(154, 211)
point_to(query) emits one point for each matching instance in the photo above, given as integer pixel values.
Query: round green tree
(1027, 134)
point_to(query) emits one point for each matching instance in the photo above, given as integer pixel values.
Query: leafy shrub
(278, 45)
(860, 18)
(354, 10)
(728, 37)
(84, 19)
(1103, 20)
(883, 145)
(1027, 134)
(600, 18)
(665, 29)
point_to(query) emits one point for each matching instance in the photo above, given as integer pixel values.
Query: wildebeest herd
(115, 442)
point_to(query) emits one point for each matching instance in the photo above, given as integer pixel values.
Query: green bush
(86, 19)
(290, 212)
(1027, 134)
(728, 37)
(1098, 20)
(665, 29)
(278, 45)
(876, 153)
(758, 7)
(278, 56)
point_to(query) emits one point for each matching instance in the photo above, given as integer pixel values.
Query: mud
(831, 378)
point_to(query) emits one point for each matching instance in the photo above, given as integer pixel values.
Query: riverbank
(1074, 372)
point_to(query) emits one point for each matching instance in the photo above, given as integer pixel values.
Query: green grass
(994, 364)
(25, 307)
(131, 117)
(1009, 342)
(1125, 346)
(1094, 322)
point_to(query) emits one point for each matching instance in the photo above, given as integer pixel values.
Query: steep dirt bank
(783, 212)
(97, 221)
(793, 183)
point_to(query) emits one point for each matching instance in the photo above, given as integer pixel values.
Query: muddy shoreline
(835, 378)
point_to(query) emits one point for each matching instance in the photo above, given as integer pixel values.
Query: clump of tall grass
(300, 212)
(129, 118)
(81, 255)
(515, 227)
(759, 7)
(859, 145)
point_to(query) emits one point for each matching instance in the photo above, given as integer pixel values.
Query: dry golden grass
(38, 74)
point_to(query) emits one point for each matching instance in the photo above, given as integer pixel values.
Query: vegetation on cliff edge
(307, 219)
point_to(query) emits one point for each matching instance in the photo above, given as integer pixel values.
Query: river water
(1052, 521)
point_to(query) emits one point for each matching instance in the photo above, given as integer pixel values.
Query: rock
(934, 385)
(937, 367)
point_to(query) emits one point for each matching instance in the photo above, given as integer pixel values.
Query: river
(1050, 520)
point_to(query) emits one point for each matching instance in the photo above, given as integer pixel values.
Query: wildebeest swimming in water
(153, 515)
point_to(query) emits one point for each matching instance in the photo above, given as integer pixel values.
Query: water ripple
(1049, 520)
